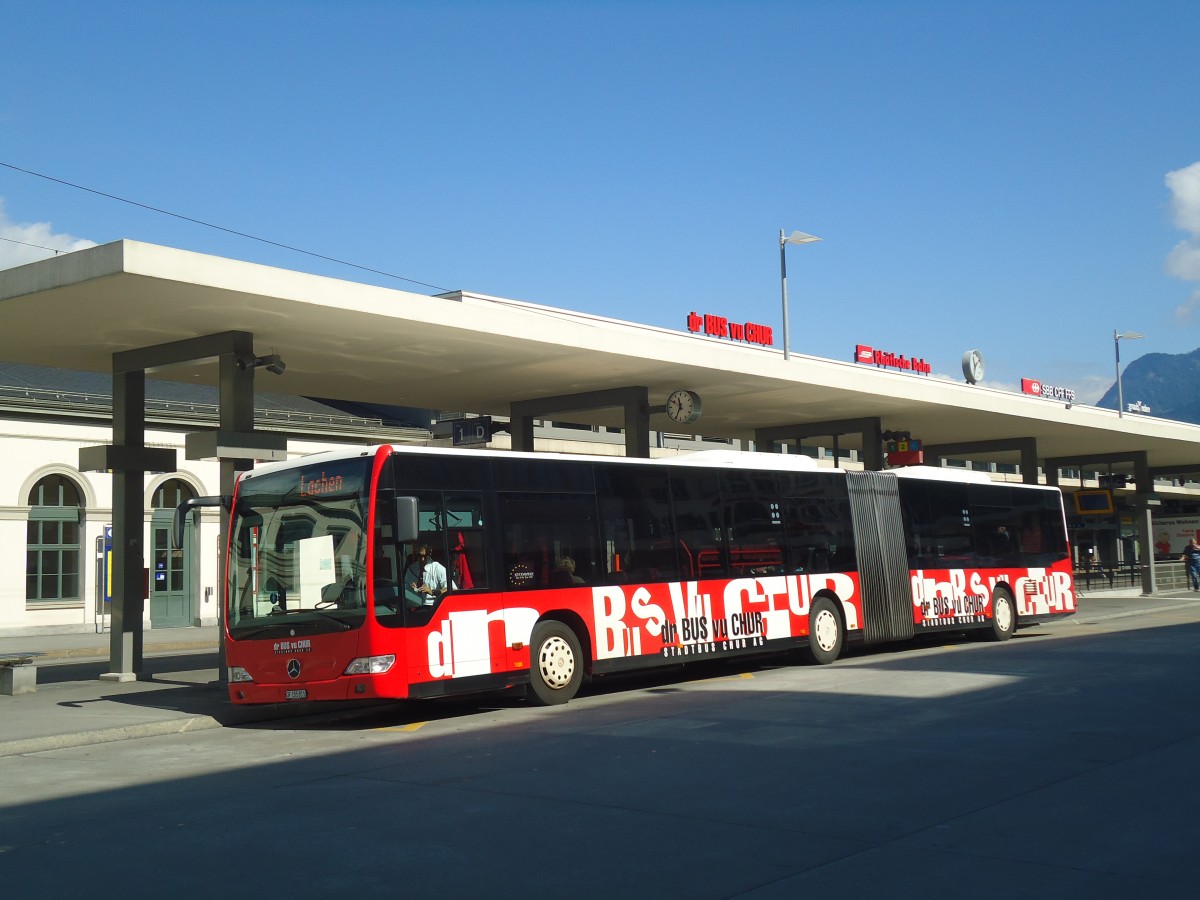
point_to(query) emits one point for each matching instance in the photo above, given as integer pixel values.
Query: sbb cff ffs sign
(1049, 391)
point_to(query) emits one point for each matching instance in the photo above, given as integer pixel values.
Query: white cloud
(1184, 185)
(1183, 262)
(1185, 313)
(25, 242)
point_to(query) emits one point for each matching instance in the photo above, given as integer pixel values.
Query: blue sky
(1018, 177)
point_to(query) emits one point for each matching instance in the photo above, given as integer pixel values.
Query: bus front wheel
(1004, 616)
(555, 664)
(824, 632)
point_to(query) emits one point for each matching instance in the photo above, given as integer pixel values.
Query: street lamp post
(1117, 336)
(796, 237)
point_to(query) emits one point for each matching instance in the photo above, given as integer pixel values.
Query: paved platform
(179, 690)
(89, 645)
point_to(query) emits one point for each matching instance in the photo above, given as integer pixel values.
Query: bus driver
(424, 579)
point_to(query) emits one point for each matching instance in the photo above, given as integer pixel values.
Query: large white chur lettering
(772, 596)
(841, 586)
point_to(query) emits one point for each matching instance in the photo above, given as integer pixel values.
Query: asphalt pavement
(179, 691)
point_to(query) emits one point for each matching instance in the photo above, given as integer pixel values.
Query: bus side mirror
(407, 520)
(182, 511)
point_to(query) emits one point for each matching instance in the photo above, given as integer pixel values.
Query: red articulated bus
(398, 572)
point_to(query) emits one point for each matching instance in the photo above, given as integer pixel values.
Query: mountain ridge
(1165, 382)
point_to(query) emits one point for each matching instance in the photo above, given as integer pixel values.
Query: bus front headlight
(370, 665)
(237, 673)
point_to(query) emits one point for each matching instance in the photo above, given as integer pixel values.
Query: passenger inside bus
(564, 573)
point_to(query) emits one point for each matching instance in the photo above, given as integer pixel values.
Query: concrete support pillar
(237, 415)
(520, 429)
(235, 444)
(1144, 484)
(872, 444)
(129, 558)
(637, 424)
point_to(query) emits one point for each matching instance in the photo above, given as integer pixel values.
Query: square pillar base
(18, 680)
(119, 676)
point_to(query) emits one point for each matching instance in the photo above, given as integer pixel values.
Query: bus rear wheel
(1004, 616)
(824, 632)
(555, 664)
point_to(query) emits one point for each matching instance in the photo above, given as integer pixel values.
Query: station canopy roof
(478, 354)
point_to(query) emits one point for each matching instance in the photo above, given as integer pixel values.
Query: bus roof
(748, 459)
(958, 476)
(722, 459)
(715, 458)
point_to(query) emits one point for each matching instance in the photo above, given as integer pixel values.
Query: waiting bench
(18, 673)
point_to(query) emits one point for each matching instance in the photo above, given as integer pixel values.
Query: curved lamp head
(797, 237)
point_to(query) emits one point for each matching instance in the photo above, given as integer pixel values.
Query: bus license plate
(295, 695)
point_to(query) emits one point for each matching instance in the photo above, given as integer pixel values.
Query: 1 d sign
(472, 431)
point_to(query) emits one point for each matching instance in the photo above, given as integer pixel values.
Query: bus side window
(938, 516)
(754, 519)
(816, 515)
(992, 524)
(638, 535)
(540, 530)
(699, 523)
(466, 540)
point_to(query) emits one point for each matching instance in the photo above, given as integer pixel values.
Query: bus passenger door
(448, 632)
(882, 557)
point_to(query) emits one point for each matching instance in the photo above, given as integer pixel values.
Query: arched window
(171, 493)
(170, 603)
(52, 557)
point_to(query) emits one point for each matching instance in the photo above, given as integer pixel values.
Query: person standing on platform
(1191, 559)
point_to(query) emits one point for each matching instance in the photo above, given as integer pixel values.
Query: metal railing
(92, 405)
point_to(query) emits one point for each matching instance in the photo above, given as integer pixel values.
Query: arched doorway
(173, 579)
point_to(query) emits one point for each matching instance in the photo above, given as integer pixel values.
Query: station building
(128, 385)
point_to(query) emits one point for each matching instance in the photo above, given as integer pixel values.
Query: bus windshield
(298, 560)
